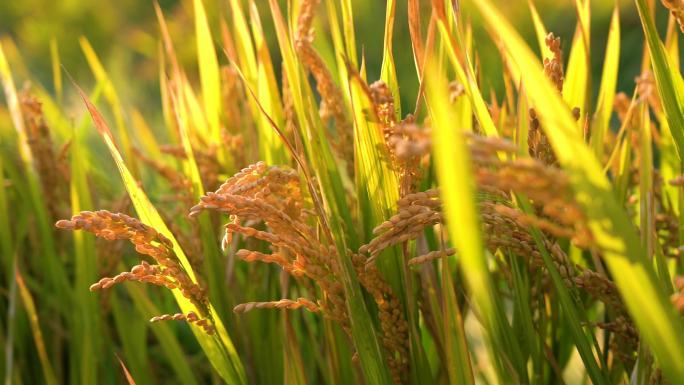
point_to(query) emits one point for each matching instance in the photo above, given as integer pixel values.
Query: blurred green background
(126, 36)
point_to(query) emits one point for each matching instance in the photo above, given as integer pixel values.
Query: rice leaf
(466, 76)
(30, 307)
(578, 75)
(56, 69)
(271, 148)
(112, 98)
(604, 107)
(570, 305)
(540, 30)
(86, 322)
(133, 337)
(127, 375)
(164, 333)
(416, 35)
(218, 348)
(668, 79)
(458, 193)
(209, 72)
(388, 72)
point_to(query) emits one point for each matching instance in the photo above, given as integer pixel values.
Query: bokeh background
(126, 37)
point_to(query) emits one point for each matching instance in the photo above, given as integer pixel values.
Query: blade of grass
(416, 35)
(668, 79)
(604, 107)
(11, 325)
(127, 375)
(56, 69)
(113, 100)
(466, 75)
(209, 74)
(271, 148)
(458, 192)
(540, 30)
(388, 73)
(578, 75)
(86, 319)
(30, 307)
(571, 307)
(6, 243)
(349, 33)
(133, 338)
(670, 166)
(169, 342)
(218, 348)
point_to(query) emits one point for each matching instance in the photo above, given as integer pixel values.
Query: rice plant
(305, 230)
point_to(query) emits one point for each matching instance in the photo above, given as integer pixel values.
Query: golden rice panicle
(113, 226)
(409, 145)
(553, 67)
(456, 90)
(179, 183)
(332, 105)
(307, 12)
(406, 142)
(190, 317)
(676, 8)
(647, 91)
(147, 241)
(415, 213)
(281, 304)
(600, 287)
(272, 195)
(538, 143)
(181, 198)
(504, 233)
(206, 157)
(392, 321)
(431, 256)
(383, 102)
(678, 297)
(625, 341)
(51, 167)
(547, 186)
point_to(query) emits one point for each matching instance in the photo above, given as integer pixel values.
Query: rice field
(296, 207)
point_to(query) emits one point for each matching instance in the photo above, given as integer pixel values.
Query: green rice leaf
(389, 71)
(30, 307)
(458, 193)
(127, 374)
(668, 79)
(540, 30)
(578, 75)
(218, 348)
(604, 107)
(209, 71)
(112, 98)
